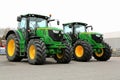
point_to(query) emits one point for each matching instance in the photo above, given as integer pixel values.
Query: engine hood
(90, 33)
(50, 28)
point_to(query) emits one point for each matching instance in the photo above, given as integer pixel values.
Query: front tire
(82, 51)
(36, 52)
(12, 48)
(65, 56)
(105, 53)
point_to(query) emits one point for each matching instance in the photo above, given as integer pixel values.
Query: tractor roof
(72, 23)
(35, 15)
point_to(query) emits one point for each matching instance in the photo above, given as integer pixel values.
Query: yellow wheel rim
(32, 52)
(100, 54)
(59, 55)
(11, 47)
(79, 51)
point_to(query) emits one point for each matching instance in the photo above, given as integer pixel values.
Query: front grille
(55, 36)
(97, 39)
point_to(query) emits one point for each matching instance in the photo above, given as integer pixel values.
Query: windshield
(67, 29)
(79, 28)
(53, 23)
(37, 22)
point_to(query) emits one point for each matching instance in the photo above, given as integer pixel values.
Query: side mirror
(18, 19)
(58, 22)
(70, 26)
(90, 27)
(51, 20)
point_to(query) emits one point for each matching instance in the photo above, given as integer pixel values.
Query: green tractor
(85, 43)
(35, 40)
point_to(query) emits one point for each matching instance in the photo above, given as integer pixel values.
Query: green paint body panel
(53, 47)
(68, 38)
(21, 41)
(49, 28)
(86, 36)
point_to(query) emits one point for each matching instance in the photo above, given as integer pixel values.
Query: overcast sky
(103, 15)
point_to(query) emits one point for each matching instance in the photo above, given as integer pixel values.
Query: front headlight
(61, 32)
(55, 31)
(98, 35)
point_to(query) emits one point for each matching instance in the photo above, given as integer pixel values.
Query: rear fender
(12, 32)
(20, 38)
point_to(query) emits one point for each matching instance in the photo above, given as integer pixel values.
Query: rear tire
(65, 56)
(105, 55)
(36, 52)
(82, 51)
(12, 48)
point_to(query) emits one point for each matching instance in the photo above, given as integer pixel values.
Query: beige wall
(113, 39)
(112, 35)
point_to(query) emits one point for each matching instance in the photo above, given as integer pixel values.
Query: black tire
(106, 53)
(66, 54)
(16, 52)
(40, 52)
(86, 53)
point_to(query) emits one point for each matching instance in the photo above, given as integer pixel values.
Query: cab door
(22, 27)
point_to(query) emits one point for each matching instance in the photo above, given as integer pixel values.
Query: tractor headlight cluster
(56, 35)
(55, 31)
(98, 35)
(61, 32)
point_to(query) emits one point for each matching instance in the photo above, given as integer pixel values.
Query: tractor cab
(32, 21)
(76, 27)
(32, 25)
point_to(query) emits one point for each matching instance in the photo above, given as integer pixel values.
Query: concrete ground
(93, 70)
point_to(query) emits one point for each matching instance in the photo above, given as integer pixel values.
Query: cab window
(22, 24)
(67, 29)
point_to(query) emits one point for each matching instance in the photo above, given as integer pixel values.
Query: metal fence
(116, 52)
(2, 50)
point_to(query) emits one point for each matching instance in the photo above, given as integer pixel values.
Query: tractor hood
(50, 28)
(91, 36)
(90, 33)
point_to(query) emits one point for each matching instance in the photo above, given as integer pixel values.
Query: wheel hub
(79, 51)
(60, 55)
(11, 47)
(32, 52)
(99, 52)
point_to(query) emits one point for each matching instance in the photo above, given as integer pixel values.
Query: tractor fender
(67, 37)
(12, 32)
(33, 37)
